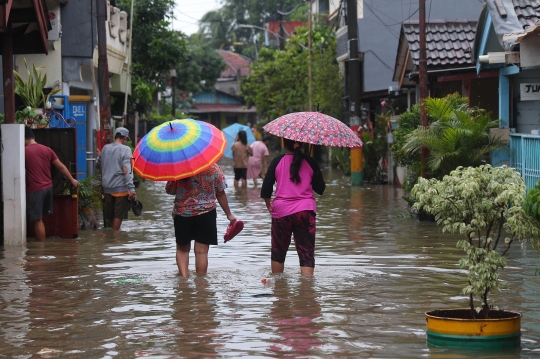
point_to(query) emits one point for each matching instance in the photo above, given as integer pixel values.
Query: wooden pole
(128, 70)
(104, 136)
(355, 88)
(423, 80)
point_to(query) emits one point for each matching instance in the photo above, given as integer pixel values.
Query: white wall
(528, 117)
(14, 184)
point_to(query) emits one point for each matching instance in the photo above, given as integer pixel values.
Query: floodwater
(377, 272)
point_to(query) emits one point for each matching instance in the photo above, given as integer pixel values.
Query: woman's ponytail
(299, 156)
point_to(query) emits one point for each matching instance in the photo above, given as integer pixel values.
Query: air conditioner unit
(54, 33)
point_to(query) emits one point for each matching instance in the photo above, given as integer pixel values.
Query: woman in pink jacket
(293, 209)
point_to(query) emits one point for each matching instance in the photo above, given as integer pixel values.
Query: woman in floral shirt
(194, 215)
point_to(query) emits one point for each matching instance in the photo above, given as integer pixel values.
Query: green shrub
(341, 159)
(531, 205)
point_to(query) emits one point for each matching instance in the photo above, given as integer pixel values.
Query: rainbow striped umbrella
(178, 149)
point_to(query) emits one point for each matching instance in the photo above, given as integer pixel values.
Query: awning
(30, 24)
(24, 28)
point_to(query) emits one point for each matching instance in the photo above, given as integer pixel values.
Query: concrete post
(14, 184)
(357, 167)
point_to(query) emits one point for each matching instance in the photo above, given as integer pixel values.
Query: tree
(199, 73)
(407, 123)
(278, 83)
(216, 30)
(156, 49)
(458, 135)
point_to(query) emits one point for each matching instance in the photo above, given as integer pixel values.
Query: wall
(527, 117)
(231, 87)
(78, 38)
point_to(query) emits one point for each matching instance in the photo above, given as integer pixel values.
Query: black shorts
(115, 207)
(201, 228)
(240, 173)
(39, 204)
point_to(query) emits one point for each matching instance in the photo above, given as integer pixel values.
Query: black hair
(118, 135)
(266, 138)
(242, 137)
(28, 133)
(299, 156)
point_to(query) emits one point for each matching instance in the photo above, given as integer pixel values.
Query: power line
(180, 12)
(381, 60)
(290, 12)
(397, 23)
(382, 22)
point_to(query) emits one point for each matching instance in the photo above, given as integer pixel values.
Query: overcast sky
(188, 12)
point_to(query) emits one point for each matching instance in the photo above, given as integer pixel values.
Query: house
(450, 64)
(71, 65)
(272, 33)
(225, 106)
(508, 43)
(379, 27)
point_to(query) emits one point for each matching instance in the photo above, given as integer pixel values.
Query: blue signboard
(77, 111)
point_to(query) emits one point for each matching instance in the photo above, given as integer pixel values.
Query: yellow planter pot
(451, 327)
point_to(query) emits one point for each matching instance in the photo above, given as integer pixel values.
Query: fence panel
(525, 157)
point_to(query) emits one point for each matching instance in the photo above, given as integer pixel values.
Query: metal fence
(525, 157)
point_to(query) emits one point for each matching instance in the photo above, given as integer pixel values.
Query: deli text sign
(529, 91)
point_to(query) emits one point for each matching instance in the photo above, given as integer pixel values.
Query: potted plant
(485, 205)
(31, 91)
(28, 117)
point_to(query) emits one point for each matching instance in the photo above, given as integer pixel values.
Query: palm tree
(458, 135)
(216, 30)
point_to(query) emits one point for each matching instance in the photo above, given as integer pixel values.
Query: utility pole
(310, 72)
(355, 81)
(423, 80)
(128, 71)
(281, 29)
(104, 136)
(173, 93)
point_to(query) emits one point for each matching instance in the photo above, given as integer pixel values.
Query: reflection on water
(120, 296)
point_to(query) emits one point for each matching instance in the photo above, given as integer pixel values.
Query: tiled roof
(527, 11)
(234, 63)
(448, 42)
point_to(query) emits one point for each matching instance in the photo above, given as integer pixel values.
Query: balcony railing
(525, 157)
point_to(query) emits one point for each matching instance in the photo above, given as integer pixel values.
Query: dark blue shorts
(302, 225)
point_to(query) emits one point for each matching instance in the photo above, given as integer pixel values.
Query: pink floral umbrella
(315, 128)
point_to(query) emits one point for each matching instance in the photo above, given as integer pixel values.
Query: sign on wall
(529, 91)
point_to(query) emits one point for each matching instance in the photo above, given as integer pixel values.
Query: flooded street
(376, 273)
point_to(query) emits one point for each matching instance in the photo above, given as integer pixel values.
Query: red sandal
(233, 230)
